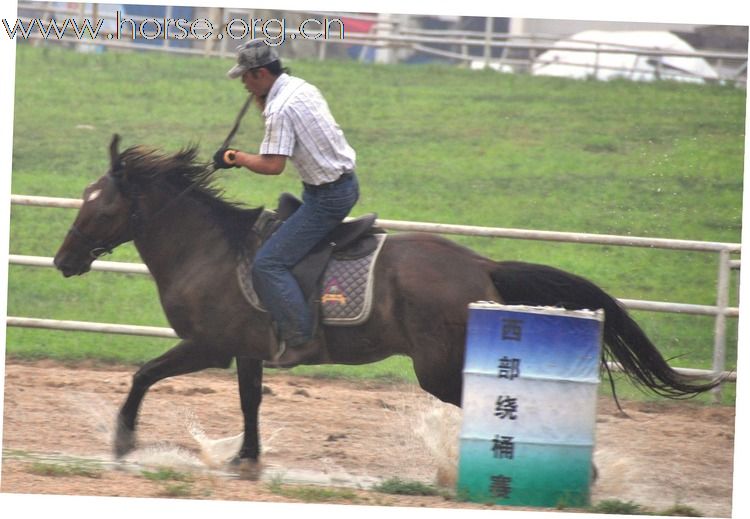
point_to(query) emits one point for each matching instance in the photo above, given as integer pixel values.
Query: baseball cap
(252, 54)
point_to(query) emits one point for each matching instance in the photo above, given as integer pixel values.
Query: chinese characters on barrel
(506, 407)
(500, 487)
(508, 368)
(503, 447)
(512, 329)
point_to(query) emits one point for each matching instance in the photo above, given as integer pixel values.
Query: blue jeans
(323, 208)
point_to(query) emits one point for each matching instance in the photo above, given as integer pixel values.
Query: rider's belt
(344, 176)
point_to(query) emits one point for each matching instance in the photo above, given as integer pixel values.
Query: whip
(237, 121)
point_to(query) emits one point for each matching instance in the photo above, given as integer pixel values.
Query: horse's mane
(190, 179)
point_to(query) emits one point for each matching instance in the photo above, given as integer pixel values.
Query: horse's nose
(66, 270)
(65, 266)
(57, 262)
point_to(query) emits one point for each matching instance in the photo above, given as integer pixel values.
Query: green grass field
(434, 143)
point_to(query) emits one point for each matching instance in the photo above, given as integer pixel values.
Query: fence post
(384, 52)
(596, 61)
(720, 325)
(488, 25)
(167, 16)
(322, 50)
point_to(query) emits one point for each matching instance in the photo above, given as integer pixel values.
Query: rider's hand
(225, 158)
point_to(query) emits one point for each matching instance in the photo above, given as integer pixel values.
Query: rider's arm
(262, 164)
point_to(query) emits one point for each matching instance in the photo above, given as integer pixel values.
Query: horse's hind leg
(186, 357)
(438, 362)
(443, 382)
(250, 379)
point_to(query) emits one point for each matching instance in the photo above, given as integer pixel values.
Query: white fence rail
(721, 311)
(633, 304)
(84, 326)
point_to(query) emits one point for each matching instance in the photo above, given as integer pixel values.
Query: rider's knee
(263, 265)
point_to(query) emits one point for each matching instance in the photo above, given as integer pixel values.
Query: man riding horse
(298, 126)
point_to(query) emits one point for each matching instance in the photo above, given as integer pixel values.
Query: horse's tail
(624, 341)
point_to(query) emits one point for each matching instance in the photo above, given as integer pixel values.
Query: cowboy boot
(310, 352)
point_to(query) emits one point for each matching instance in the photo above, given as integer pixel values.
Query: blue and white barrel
(531, 376)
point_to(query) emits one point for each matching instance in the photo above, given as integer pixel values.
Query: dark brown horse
(190, 239)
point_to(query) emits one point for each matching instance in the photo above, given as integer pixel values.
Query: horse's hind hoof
(246, 468)
(124, 440)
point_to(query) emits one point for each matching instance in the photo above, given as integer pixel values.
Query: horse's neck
(176, 238)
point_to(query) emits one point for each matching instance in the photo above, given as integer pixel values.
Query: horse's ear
(114, 154)
(116, 163)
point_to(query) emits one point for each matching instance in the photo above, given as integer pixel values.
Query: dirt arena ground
(331, 433)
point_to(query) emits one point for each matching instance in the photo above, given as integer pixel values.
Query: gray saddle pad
(346, 292)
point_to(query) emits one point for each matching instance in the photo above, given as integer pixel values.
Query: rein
(226, 142)
(99, 248)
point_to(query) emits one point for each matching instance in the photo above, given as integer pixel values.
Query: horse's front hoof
(124, 440)
(246, 468)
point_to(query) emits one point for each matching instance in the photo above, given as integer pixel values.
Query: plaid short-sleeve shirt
(300, 126)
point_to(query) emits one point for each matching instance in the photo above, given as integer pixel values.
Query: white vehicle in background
(631, 55)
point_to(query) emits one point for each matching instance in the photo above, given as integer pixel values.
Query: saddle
(350, 240)
(347, 240)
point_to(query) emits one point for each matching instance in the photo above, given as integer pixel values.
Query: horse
(190, 237)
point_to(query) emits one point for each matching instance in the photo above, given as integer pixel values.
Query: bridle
(97, 248)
